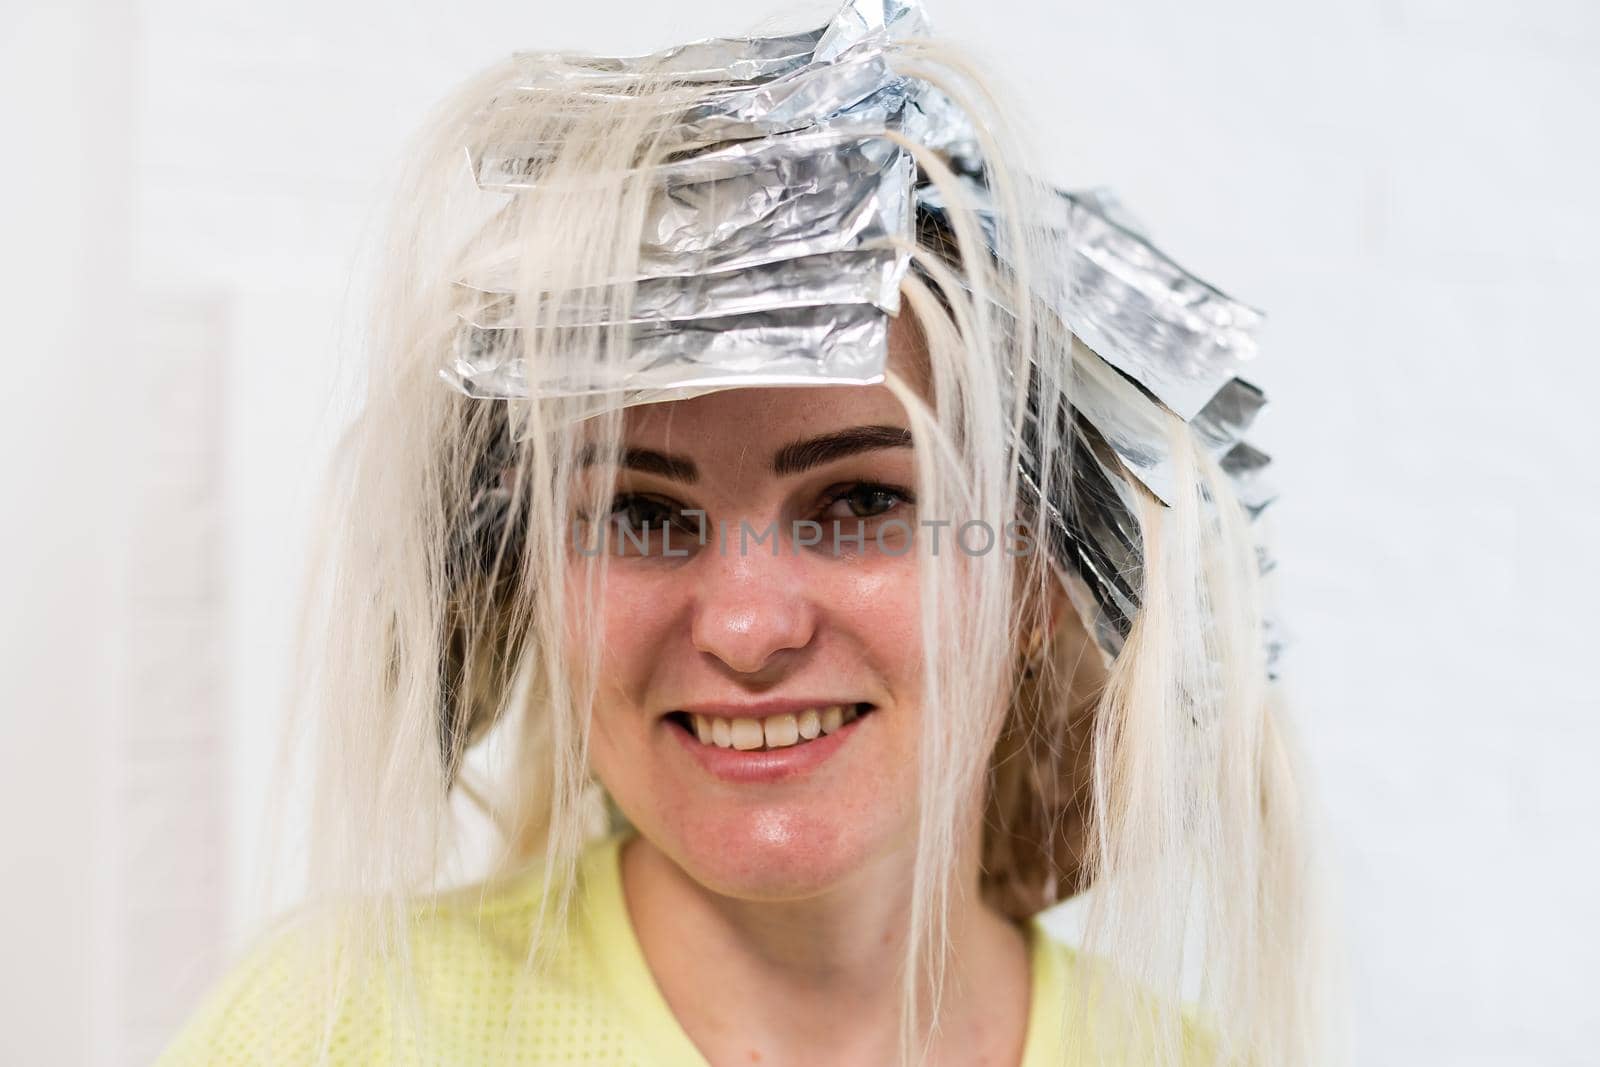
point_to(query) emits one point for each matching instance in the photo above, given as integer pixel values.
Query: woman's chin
(751, 828)
(772, 853)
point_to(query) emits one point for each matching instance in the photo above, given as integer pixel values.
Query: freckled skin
(729, 627)
(764, 906)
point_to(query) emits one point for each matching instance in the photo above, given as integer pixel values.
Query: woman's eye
(642, 525)
(638, 512)
(865, 500)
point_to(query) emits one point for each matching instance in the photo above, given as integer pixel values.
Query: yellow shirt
(596, 1003)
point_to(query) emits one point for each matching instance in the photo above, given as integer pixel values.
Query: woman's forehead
(741, 416)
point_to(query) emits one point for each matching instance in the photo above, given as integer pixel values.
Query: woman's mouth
(771, 733)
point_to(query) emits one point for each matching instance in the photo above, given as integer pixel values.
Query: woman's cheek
(747, 840)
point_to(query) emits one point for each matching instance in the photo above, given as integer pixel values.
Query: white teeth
(781, 731)
(777, 731)
(747, 734)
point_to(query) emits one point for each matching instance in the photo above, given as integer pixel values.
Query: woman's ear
(1044, 633)
(1056, 608)
(1044, 616)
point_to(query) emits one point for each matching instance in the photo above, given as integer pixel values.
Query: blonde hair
(1163, 780)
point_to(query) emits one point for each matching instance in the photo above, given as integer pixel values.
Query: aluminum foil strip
(834, 344)
(1105, 202)
(1275, 638)
(1092, 533)
(1177, 336)
(1104, 543)
(860, 92)
(1244, 465)
(1093, 539)
(752, 87)
(1130, 424)
(714, 59)
(741, 205)
(1133, 427)
(1226, 418)
(1130, 427)
(867, 277)
(933, 119)
(1087, 514)
(867, 20)
(515, 166)
(792, 197)
(738, 59)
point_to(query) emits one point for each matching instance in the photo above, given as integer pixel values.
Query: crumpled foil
(838, 345)
(774, 252)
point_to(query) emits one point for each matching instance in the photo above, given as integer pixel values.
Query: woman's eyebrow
(815, 451)
(679, 468)
(792, 458)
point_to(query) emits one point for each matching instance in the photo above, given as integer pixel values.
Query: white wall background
(1406, 186)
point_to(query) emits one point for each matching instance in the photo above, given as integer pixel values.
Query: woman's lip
(763, 765)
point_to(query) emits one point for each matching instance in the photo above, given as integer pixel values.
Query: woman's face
(758, 709)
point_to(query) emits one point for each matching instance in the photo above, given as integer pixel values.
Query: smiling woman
(749, 637)
(817, 548)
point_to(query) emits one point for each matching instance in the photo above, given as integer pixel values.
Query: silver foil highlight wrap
(1228, 415)
(734, 59)
(830, 278)
(1244, 465)
(759, 202)
(1174, 334)
(856, 93)
(844, 344)
(774, 251)
(1133, 427)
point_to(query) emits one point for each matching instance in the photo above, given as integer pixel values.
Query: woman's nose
(753, 607)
